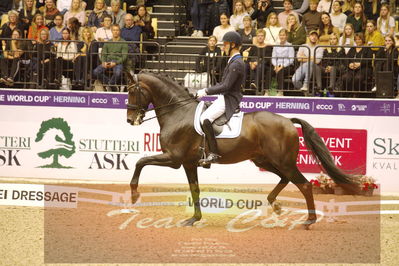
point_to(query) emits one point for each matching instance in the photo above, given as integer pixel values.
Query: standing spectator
(75, 11)
(82, 58)
(97, 15)
(348, 37)
(305, 56)
(42, 63)
(249, 6)
(338, 19)
(332, 61)
(13, 23)
(311, 20)
(296, 32)
(261, 13)
(113, 56)
(104, 33)
(27, 13)
(325, 6)
(259, 64)
(198, 12)
(37, 24)
(224, 27)
(66, 53)
(208, 59)
(56, 31)
(372, 9)
(143, 19)
(49, 11)
(347, 6)
(357, 18)
(14, 49)
(386, 23)
(358, 65)
(387, 58)
(282, 17)
(118, 14)
(247, 33)
(282, 60)
(326, 29)
(214, 10)
(238, 14)
(272, 29)
(74, 26)
(373, 36)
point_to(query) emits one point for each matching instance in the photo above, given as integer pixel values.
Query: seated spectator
(296, 32)
(247, 33)
(357, 18)
(118, 14)
(97, 15)
(224, 27)
(282, 16)
(373, 36)
(198, 13)
(283, 61)
(358, 65)
(209, 60)
(372, 9)
(74, 26)
(326, 29)
(37, 24)
(385, 22)
(301, 8)
(14, 49)
(347, 7)
(272, 29)
(259, 64)
(338, 19)
(305, 56)
(82, 58)
(42, 64)
(332, 61)
(311, 20)
(348, 37)
(262, 11)
(113, 56)
(56, 31)
(387, 58)
(131, 31)
(49, 11)
(75, 11)
(66, 53)
(143, 19)
(212, 16)
(12, 24)
(249, 7)
(325, 6)
(104, 33)
(236, 20)
(27, 13)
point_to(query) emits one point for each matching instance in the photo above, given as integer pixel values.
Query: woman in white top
(238, 14)
(385, 23)
(66, 53)
(347, 37)
(272, 29)
(324, 6)
(223, 28)
(338, 19)
(75, 11)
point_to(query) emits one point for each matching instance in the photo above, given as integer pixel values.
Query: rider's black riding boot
(213, 155)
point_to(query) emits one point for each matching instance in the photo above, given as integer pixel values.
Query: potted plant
(367, 185)
(316, 187)
(323, 184)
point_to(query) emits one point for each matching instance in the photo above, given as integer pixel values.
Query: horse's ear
(129, 77)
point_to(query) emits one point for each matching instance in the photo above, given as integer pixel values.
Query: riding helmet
(232, 36)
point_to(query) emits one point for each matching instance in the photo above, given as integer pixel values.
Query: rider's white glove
(201, 93)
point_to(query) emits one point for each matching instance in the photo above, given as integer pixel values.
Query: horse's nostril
(129, 121)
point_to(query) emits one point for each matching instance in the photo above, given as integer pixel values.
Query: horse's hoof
(189, 222)
(308, 223)
(276, 207)
(135, 196)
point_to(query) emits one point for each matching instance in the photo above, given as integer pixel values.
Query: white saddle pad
(230, 130)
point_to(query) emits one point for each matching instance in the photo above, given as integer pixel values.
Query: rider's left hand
(201, 93)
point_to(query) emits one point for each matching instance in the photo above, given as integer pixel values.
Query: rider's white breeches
(214, 111)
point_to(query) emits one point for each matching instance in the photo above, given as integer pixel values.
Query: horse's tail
(317, 147)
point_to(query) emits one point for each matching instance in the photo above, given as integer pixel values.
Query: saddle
(222, 127)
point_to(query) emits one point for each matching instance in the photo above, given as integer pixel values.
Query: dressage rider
(228, 91)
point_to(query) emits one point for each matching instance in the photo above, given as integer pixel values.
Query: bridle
(138, 90)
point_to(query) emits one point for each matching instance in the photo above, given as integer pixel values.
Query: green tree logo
(58, 139)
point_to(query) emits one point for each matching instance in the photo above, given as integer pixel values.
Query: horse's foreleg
(163, 159)
(273, 195)
(192, 176)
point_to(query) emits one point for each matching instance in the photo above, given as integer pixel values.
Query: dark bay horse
(271, 141)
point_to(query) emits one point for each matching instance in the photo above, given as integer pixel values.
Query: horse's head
(138, 101)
